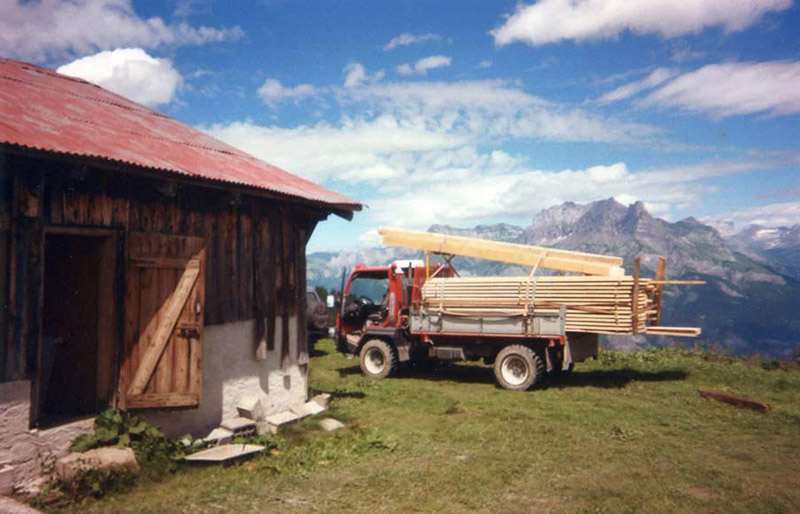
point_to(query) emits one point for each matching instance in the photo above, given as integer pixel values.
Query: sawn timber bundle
(601, 300)
(593, 304)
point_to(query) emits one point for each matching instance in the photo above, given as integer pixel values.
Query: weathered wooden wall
(6, 186)
(255, 245)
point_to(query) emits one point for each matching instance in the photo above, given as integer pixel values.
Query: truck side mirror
(330, 301)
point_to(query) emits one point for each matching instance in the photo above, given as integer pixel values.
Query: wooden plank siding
(6, 191)
(255, 248)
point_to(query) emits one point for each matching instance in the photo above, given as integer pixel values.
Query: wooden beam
(732, 399)
(172, 311)
(563, 260)
(637, 263)
(159, 262)
(154, 400)
(673, 331)
(661, 274)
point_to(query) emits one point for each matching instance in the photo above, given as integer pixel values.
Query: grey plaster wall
(231, 372)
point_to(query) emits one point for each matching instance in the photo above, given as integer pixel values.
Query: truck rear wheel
(377, 359)
(517, 368)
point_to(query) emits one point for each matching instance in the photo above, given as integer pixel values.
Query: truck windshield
(372, 288)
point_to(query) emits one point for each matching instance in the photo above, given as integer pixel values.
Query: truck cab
(376, 301)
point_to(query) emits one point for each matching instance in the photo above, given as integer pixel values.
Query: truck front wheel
(517, 368)
(377, 358)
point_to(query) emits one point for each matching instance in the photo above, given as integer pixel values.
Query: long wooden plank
(636, 268)
(166, 324)
(153, 400)
(732, 399)
(562, 260)
(674, 331)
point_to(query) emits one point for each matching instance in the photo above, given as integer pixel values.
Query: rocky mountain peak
(497, 232)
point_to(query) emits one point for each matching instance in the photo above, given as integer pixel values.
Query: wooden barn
(143, 264)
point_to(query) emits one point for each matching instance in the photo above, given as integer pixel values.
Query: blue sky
(464, 112)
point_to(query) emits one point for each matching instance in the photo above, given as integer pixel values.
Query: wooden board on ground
(732, 399)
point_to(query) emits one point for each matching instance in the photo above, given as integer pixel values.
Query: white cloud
(605, 174)
(493, 108)
(49, 29)
(735, 88)
(485, 64)
(685, 53)
(129, 72)
(422, 66)
(655, 78)
(273, 92)
(785, 214)
(428, 164)
(358, 150)
(476, 190)
(404, 69)
(549, 21)
(356, 75)
(406, 39)
(394, 127)
(434, 151)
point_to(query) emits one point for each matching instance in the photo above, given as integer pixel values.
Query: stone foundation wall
(29, 453)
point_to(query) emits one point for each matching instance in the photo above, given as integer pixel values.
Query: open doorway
(77, 327)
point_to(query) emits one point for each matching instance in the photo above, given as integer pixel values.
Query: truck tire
(517, 368)
(377, 359)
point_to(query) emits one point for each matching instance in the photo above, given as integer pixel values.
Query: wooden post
(677, 345)
(660, 276)
(637, 262)
(427, 265)
(696, 348)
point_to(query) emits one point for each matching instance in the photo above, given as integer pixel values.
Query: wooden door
(164, 304)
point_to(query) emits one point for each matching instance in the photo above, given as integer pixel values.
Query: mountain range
(750, 304)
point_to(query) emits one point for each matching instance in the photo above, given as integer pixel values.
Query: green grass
(625, 433)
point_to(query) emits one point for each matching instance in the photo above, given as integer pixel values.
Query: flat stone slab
(330, 424)
(219, 435)
(324, 399)
(308, 409)
(239, 424)
(282, 418)
(225, 452)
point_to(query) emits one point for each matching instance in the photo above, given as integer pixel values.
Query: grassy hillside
(626, 433)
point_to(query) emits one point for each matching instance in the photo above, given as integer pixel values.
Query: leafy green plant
(112, 428)
(154, 451)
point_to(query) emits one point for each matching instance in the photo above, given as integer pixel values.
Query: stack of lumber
(603, 300)
(602, 305)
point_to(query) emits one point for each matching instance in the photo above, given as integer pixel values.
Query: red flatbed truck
(382, 320)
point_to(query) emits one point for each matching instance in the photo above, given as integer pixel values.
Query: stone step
(239, 425)
(225, 452)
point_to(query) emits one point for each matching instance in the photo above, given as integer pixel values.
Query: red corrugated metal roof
(43, 110)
